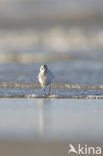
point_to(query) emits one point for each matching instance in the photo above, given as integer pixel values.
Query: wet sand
(38, 148)
(51, 119)
(33, 148)
(46, 127)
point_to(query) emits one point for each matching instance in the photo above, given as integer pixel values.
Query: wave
(71, 91)
(28, 58)
(54, 39)
(52, 96)
(58, 86)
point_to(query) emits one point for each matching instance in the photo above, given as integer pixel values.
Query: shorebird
(45, 77)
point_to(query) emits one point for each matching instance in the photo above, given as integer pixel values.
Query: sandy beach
(46, 127)
(33, 148)
(39, 148)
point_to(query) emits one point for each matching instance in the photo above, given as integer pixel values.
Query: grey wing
(52, 74)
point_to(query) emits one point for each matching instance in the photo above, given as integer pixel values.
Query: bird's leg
(49, 90)
(44, 91)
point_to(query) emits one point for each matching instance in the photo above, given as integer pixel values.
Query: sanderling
(45, 77)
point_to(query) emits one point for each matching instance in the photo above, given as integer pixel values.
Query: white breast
(46, 79)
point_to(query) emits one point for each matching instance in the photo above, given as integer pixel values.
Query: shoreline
(35, 96)
(55, 86)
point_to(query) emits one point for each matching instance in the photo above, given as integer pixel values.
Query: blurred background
(67, 35)
(60, 33)
(40, 26)
(42, 31)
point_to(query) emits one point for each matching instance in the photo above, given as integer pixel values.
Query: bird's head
(44, 68)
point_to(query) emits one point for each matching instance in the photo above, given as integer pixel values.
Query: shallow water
(31, 119)
(73, 78)
(55, 93)
(69, 71)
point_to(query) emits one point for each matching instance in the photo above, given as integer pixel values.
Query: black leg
(44, 91)
(49, 90)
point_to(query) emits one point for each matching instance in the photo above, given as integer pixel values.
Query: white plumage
(45, 77)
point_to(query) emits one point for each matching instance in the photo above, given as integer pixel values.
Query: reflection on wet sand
(43, 115)
(48, 126)
(47, 119)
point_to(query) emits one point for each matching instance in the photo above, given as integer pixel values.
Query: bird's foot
(48, 94)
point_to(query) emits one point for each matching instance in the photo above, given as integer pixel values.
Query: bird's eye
(42, 68)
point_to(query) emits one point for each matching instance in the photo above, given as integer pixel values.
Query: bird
(45, 77)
